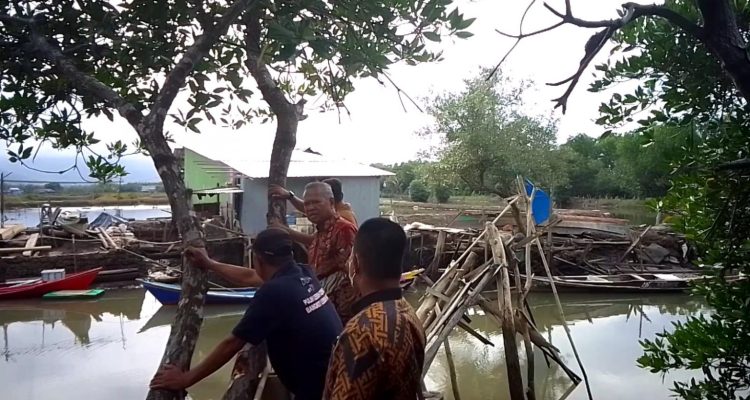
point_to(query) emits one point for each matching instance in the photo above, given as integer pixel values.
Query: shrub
(442, 193)
(418, 191)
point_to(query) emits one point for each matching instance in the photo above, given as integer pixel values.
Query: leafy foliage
(630, 165)
(418, 191)
(442, 193)
(681, 84)
(312, 47)
(487, 141)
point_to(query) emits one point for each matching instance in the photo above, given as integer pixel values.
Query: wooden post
(451, 369)
(439, 248)
(515, 381)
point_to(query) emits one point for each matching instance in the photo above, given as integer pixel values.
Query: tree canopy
(65, 61)
(486, 140)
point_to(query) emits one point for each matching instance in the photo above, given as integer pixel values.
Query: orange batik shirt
(328, 255)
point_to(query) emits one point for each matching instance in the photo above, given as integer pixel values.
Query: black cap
(273, 242)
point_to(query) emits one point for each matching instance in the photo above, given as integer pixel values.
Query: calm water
(30, 216)
(113, 345)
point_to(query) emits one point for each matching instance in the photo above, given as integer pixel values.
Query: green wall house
(245, 170)
(211, 183)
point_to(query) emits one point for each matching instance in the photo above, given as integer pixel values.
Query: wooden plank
(108, 239)
(10, 250)
(10, 231)
(31, 242)
(635, 243)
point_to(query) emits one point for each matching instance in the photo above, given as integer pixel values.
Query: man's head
(378, 251)
(272, 248)
(318, 198)
(338, 192)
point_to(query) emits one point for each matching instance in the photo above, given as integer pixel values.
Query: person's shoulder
(359, 325)
(343, 224)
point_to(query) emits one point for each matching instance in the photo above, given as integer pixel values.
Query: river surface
(110, 347)
(30, 216)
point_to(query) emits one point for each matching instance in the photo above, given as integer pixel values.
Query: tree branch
(629, 13)
(176, 78)
(85, 82)
(596, 42)
(518, 40)
(274, 96)
(525, 35)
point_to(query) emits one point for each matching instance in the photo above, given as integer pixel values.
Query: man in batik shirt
(381, 351)
(330, 247)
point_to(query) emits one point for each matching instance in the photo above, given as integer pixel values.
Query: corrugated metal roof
(302, 165)
(227, 190)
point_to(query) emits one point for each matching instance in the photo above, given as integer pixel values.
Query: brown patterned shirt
(380, 353)
(328, 255)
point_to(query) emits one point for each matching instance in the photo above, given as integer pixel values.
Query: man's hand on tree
(279, 193)
(197, 256)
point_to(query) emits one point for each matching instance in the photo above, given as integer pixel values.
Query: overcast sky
(379, 130)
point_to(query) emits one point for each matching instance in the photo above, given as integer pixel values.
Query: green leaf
(464, 34)
(464, 24)
(433, 36)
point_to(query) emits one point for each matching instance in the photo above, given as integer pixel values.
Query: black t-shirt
(292, 313)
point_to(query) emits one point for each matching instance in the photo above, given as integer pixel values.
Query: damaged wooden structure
(495, 259)
(576, 243)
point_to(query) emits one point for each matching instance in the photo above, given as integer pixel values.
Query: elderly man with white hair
(329, 247)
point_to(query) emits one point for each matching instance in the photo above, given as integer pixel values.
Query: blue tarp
(541, 205)
(105, 220)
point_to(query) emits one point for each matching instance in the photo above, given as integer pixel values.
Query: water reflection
(92, 349)
(606, 332)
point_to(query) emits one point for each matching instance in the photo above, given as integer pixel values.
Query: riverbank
(87, 200)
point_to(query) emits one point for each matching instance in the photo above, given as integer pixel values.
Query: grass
(87, 200)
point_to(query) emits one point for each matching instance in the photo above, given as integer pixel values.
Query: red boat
(37, 288)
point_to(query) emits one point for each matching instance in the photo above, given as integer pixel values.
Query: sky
(379, 130)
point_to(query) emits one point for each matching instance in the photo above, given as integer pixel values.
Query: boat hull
(616, 284)
(77, 281)
(118, 275)
(169, 294)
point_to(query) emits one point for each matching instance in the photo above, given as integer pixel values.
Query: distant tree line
(486, 141)
(58, 188)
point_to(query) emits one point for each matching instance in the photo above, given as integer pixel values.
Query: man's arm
(238, 275)
(298, 236)
(298, 203)
(280, 193)
(170, 377)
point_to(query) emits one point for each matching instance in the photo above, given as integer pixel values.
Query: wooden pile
(493, 258)
(577, 242)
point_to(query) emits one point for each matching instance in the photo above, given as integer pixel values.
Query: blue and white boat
(169, 294)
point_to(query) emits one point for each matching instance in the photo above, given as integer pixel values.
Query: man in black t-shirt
(290, 311)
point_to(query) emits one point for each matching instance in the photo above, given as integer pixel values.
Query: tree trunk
(722, 36)
(287, 113)
(281, 156)
(187, 324)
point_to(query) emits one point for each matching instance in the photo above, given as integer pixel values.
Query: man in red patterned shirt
(330, 247)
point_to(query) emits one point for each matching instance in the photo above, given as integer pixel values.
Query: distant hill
(139, 168)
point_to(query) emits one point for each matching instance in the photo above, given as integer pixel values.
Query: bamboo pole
(9, 250)
(439, 248)
(515, 381)
(442, 329)
(451, 369)
(31, 242)
(263, 380)
(564, 321)
(635, 243)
